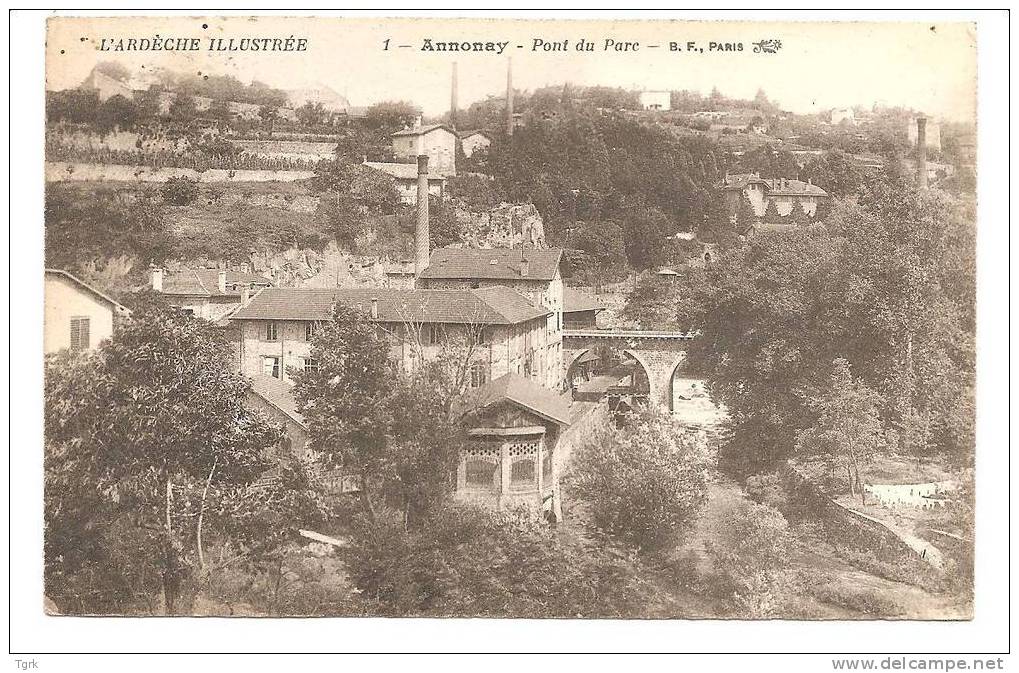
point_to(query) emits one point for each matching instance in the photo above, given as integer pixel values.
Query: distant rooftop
(575, 300)
(422, 130)
(493, 263)
(400, 171)
(205, 282)
(522, 391)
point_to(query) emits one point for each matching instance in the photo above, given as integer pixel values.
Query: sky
(930, 67)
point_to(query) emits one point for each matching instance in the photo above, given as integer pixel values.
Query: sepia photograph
(509, 318)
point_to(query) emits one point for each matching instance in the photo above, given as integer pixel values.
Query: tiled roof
(115, 305)
(476, 132)
(277, 393)
(421, 130)
(778, 186)
(205, 282)
(488, 306)
(575, 300)
(494, 263)
(400, 171)
(515, 388)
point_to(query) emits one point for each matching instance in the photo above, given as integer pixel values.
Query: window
(309, 330)
(478, 377)
(480, 473)
(522, 472)
(271, 367)
(271, 332)
(433, 334)
(310, 365)
(79, 333)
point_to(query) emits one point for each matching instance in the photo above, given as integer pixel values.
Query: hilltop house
(495, 328)
(207, 293)
(532, 272)
(437, 141)
(77, 316)
(406, 176)
(784, 193)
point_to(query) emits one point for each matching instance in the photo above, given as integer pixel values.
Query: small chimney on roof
(245, 295)
(156, 275)
(221, 282)
(525, 266)
(375, 308)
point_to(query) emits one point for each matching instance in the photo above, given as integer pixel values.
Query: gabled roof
(575, 300)
(493, 263)
(115, 305)
(487, 306)
(522, 391)
(400, 171)
(277, 393)
(205, 282)
(476, 132)
(422, 130)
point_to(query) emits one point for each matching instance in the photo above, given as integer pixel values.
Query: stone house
(783, 192)
(580, 310)
(77, 316)
(497, 329)
(211, 294)
(531, 272)
(472, 141)
(436, 141)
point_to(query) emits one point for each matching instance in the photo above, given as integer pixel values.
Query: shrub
(749, 550)
(767, 489)
(644, 483)
(180, 191)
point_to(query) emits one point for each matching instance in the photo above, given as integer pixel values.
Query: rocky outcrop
(506, 225)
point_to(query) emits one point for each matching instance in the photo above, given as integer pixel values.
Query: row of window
(479, 336)
(272, 331)
(487, 475)
(273, 365)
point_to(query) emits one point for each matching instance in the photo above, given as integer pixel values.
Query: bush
(767, 489)
(180, 191)
(466, 561)
(749, 550)
(644, 483)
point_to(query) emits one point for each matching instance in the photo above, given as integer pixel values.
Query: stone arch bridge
(660, 353)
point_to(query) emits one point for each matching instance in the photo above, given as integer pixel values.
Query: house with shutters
(77, 316)
(786, 194)
(532, 272)
(436, 141)
(497, 329)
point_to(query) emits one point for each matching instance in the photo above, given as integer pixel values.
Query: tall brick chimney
(452, 99)
(509, 97)
(421, 233)
(921, 152)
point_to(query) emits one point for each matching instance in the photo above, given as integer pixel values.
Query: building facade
(436, 141)
(405, 175)
(77, 316)
(473, 141)
(496, 330)
(533, 273)
(784, 193)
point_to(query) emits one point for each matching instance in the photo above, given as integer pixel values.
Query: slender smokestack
(509, 97)
(221, 282)
(452, 99)
(921, 152)
(375, 308)
(421, 234)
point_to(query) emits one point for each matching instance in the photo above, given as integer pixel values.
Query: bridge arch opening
(688, 395)
(606, 371)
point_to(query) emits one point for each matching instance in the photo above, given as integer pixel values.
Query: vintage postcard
(507, 318)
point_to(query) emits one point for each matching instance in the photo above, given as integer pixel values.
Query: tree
(311, 114)
(597, 254)
(116, 112)
(152, 432)
(771, 215)
(836, 173)
(848, 428)
(746, 218)
(180, 191)
(643, 483)
(391, 115)
(183, 108)
(269, 114)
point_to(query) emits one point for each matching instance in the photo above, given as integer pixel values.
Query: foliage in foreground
(467, 561)
(643, 483)
(152, 459)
